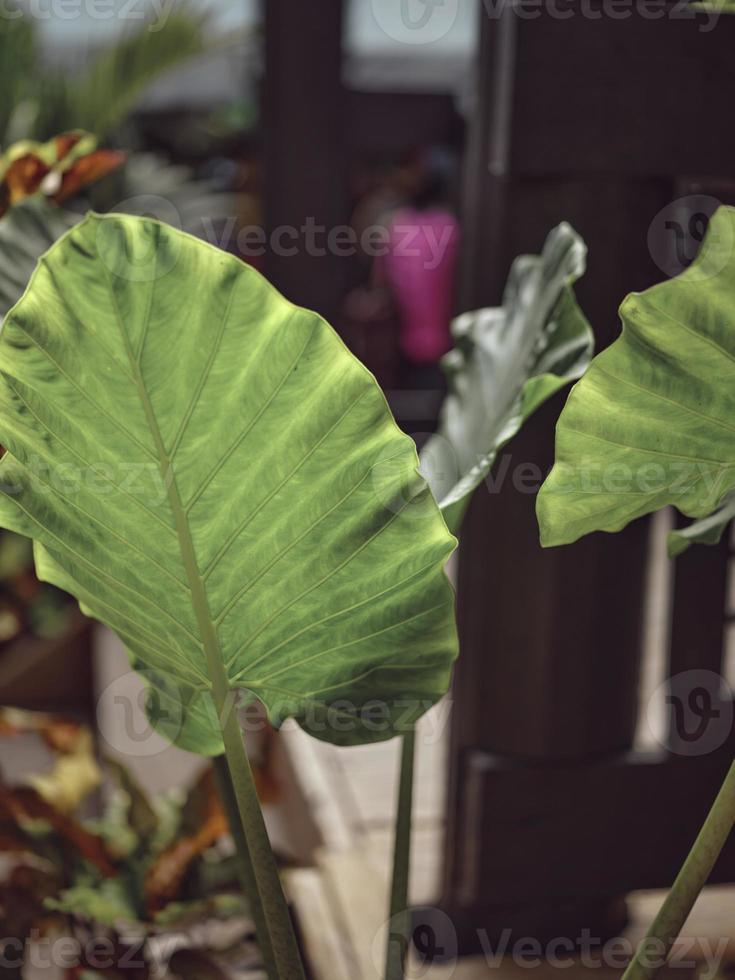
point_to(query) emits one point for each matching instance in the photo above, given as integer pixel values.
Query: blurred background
(383, 162)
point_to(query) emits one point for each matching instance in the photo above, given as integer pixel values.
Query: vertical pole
(304, 154)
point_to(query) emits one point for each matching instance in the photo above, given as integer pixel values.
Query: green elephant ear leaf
(506, 363)
(211, 473)
(652, 422)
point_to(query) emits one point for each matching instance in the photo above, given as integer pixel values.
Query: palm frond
(119, 75)
(108, 88)
(18, 66)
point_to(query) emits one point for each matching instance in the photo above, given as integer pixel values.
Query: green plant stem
(689, 882)
(276, 930)
(245, 868)
(399, 926)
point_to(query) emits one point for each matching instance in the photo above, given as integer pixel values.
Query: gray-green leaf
(507, 362)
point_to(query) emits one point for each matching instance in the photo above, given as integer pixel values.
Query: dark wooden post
(304, 153)
(551, 817)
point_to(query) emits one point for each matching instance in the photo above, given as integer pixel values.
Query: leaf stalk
(274, 926)
(689, 883)
(399, 925)
(245, 868)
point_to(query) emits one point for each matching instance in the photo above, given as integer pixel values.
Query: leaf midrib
(200, 604)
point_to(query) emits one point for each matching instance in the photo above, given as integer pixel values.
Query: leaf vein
(72, 313)
(340, 612)
(84, 462)
(99, 571)
(115, 534)
(205, 374)
(221, 462)
(644, 449)
(349, 643)
(292, 544)
(253, 514)
(87, 397)
(670, 401)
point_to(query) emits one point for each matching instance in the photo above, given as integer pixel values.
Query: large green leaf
(653, 421)
(507, 362)
(214, 476)
(26, 231)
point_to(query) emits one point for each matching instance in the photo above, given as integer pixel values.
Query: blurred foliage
(19, 58)
(27, 605)
(149, 186)
(40, 100)
(26, 231)
(143, 868)
(57, 169)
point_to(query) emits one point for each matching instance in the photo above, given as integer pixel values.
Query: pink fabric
(420, 266)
